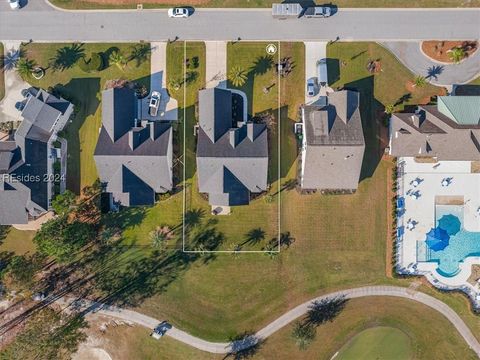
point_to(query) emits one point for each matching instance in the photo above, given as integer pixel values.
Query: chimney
(153, 134)
(233, 133)
(131, 139)
(250, 132)
(417, 120)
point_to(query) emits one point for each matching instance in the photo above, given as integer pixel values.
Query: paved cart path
(291, 315)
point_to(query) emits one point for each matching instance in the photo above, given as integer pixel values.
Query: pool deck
(465, 186)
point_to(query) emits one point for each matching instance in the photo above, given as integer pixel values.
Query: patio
(421, 186)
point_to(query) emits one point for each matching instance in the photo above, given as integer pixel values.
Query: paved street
(229, 24)
(288, 317)
(410, 54)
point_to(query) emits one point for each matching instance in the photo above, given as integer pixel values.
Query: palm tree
(457, 54)
(303, 334)
(118, 59)
(389, 109)
(160, 235)
(420, 81)
(140, 53)
(237, 76)
(25, 67)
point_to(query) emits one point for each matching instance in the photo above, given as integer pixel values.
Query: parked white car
(14, 4)
(178, 12)
(154, 103)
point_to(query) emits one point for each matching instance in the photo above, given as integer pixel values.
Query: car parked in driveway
(14, 4)
(154, 103)
(178, 12)
(312, 87)
(322, 72)
(160, 330)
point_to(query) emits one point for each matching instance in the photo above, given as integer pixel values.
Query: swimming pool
(462, 243)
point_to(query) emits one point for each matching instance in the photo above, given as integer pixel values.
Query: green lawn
(416, 330)
(378, 343)
(2, 76)
(429, 334)
(84, 90)
(339, 240)
(16, 241)
(92, 4)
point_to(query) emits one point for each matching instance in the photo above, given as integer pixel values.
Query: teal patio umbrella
(450, 223)
(437, 239)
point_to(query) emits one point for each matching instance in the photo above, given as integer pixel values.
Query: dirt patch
(475, 276)
(440, 50)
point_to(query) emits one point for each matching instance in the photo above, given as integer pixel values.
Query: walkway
(289, 316)
(410, 54)
(216, 64)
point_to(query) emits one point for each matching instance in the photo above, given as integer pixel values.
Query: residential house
(333, 144)
(232, 157)
(133, 157)
(449, 130)
(26, 161)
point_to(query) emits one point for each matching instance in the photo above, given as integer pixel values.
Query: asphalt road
(46, 24)
(287, 318)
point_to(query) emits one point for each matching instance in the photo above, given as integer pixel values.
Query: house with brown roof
(449, 130)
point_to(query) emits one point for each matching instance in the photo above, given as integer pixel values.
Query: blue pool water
(462, 243)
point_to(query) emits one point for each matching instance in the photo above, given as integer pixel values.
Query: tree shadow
(371, 111)
(82, 92)
(434, 71)
(403, 99)
(254, 236)
(67, 56)
(106, 55)
(244, 346)
(261, 65)
(324, 310)
(140, 53)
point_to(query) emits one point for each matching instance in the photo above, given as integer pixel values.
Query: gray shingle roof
(138, 163)
(231, 162)
(431, 133)
(27, 157)
(333, 143)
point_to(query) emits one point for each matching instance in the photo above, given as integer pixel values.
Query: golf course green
(379, 343)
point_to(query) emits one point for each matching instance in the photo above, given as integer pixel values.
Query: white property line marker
(278, 170)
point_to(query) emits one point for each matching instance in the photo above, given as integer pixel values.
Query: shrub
(95, 63)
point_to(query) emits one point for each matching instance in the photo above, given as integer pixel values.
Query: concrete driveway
(168, 108)
(314, 51)
(410, 54)
(216, 64)
(14, 85)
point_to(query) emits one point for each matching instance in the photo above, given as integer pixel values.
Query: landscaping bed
(441, 51)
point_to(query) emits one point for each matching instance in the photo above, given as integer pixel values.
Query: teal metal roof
(464, 110)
